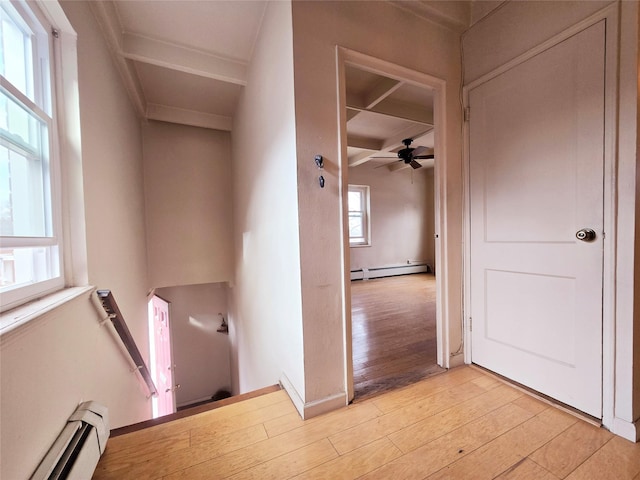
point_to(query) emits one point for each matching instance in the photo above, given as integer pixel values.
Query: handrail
(111, 307)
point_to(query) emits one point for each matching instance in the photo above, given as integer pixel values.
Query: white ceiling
(186, 62)
(225, 28)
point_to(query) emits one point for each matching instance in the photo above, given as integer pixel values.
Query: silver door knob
(586, 235)
(172, 389)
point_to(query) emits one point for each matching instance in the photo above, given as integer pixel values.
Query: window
(358, 201)
(30, 243)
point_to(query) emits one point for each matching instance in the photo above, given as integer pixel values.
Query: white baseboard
(324, 405)
(390, 271)
(293, 394)
(315, 408)
(628, 430)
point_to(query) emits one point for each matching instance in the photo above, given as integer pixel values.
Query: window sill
(23, 314)
(358, 245)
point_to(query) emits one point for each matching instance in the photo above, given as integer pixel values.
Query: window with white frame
(358, 206)
(30, 243)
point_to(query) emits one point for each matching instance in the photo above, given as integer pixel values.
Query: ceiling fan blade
(423, 157)
(415, 164)
(419, 150)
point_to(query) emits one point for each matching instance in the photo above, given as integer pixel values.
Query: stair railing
(110, 306)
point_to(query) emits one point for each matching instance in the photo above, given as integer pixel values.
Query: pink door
(161, 359)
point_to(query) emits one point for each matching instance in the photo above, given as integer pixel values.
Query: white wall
(401, 216)
(503, 35)
(200, 354)
(372, 28)
(187, 178)
(65, 357)
(510, 31)
(113, 178)
(265, 308)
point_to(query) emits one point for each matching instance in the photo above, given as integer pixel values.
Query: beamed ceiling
(186, 62)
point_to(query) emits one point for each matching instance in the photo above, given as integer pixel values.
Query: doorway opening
(389, 140)
(161, 360)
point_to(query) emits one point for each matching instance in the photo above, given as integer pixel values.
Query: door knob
(172, 389)
(586, 235)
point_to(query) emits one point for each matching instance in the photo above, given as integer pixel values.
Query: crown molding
(107, 17)
(447, 17)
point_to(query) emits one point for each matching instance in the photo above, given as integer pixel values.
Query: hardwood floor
(394, 332)
(462, 424)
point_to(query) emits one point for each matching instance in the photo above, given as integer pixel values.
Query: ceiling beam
(188, 117)
(365, 143)
(408, 111)
(385, 146)
(396, 140)
(381, 90)
(360, 158)
(167, 55)
(396, 114)
(351, 113)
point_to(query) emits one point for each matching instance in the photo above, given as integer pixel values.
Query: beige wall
(113, 193)
(265, 304)
(200, 353)
(502, 35)
(512, 30)
(402, 216)
(187, 178)
(65, 357)
(371, 28)
(113, 179)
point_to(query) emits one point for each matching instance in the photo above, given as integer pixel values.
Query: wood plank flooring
(462, 424)
(394, 332)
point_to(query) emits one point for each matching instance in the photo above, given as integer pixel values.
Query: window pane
(24, 266)
(16, 53)
(355, 202)
(21, 127)
(25, 204)
(355, 227)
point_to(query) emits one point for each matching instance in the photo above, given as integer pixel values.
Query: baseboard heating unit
(390, 271)
(75, 453)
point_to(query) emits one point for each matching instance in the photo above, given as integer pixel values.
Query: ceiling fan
(410, 155)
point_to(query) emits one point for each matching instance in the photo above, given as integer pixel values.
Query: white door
(536, 179)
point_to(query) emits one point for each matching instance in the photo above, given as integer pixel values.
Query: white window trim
(366, 215)
(68, 209)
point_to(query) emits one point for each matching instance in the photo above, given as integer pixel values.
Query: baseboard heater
(75, 453)
(391, 271)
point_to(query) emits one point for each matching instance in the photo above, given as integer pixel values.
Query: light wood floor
(462, 424)
(394, 332)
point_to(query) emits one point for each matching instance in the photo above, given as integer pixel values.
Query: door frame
(362, 61)
(611, 16)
